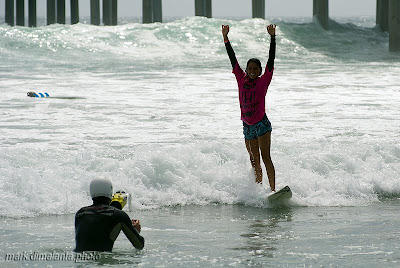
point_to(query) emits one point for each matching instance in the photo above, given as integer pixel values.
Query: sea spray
(158, 114)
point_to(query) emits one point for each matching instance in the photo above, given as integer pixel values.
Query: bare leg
(254, 152)
(264, 142)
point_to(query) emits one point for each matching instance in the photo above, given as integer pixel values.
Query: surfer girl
(253, 86)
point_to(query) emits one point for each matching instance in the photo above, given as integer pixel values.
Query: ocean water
(155, 109)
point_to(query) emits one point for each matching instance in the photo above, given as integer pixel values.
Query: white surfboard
(283, 194)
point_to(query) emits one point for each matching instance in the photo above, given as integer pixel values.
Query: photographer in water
(98, 226)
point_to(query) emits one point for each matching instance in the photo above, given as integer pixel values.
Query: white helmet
(101, 187)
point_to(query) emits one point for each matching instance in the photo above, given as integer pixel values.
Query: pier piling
(9, 5)
(147, 11)
(321, 12)
(51, 12)
(107, 12)
(152, 11)
(258, 9)
(387, 13)
(74, 11)
(32, 19)
(203, 8)
(157, 10)
(95, 12)
(382, 14)
(110, 12)
(61, 11)
(394, 26)
(20, 8)
(114, 12)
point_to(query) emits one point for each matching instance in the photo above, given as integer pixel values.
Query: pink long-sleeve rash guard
(252, 94)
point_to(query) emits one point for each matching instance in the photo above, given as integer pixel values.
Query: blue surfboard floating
(37, 94)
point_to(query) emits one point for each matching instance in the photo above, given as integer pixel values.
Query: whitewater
(155, 108)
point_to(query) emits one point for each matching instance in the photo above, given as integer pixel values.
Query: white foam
(161, 118)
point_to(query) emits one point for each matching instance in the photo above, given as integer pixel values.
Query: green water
(226, 236)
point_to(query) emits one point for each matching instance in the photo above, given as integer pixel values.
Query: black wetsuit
(271, 59)
(98, 226)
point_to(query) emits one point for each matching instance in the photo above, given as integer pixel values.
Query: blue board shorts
(251, 132)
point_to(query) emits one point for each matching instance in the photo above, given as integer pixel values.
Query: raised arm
(272, 47)
(229, 49)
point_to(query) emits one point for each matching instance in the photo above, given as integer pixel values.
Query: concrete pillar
(208, 8)
(20, 12)
(114, 15)
(74, 11)
(61, 11)
(51, 12)
(321, 12)
(10, 12)
(95, 12)
(258, 9)
(107, 12)
(157, 10)
(394, 26)
(203, 8)
(152, 11)
(147, 11)
(382, 14)
(32, 19)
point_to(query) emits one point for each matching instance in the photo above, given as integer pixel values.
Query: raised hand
(271, 29)
(136, 225)
(225, 31)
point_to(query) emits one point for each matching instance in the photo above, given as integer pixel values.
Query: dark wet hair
(256, 61)
(101, 200)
